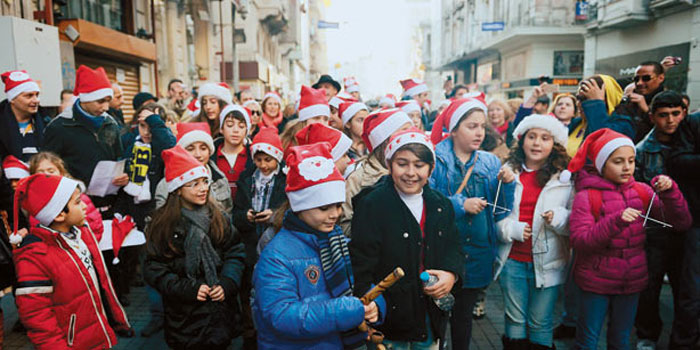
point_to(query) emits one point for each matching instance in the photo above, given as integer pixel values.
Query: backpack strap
(596, 200)
(643, 195)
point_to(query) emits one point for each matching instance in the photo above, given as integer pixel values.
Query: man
(327, 83)
(85, 134)
(664, 247)
(177, 95)
(244, 96)
(458, 91)
(142, 99)
(648, 82)
(541, 105)
(115, 105)
(417, 90)
(66, 100)
(21, 123)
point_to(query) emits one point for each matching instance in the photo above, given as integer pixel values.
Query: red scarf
(503, 128)
(271, 122)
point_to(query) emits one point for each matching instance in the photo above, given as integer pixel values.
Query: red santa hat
(341, 98)
(189, 133)
(194, 107)
(230, 108)
(450, 117)
(408, 136)
(121, 227)
(389, 100)
(312, 103)
(221, 90)
(43, 197)
(267, 141)
(597, 147)
(559, 131)
(273, 95)
(14, 168)
(408, 106)
(351, 85)
(313, 180)
(380, 125)
(18, 82)
(181, 168)
(317, 132)
(348, 110)
(92, 84)
(413, 86)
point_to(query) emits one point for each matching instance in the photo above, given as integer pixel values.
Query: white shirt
(81, 249)
(414, 202)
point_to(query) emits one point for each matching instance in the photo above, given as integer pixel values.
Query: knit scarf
(271, 122)
(199, 252)
(503, 128)
(337, 268)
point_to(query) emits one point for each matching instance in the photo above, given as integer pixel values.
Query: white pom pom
(115, 261)
(565, 176)
(15, 239)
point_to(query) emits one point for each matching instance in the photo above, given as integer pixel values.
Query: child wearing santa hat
(213, 98)
(335, 102)
(353, 115)
(413, 110)
(195, 258)
(417, 90)
(607, 223)
(401, 221)
(471, 179)
(303, 299)
(232, 154)
(63, 287)
(340, 144)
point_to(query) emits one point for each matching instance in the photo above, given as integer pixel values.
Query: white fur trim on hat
(58, 201)
(15, 173)
(197, 136)
(609, 148)
(314, 111)
(464, 108)
(189, 175)
(335, 102)
(96, 95)
(559, 132)
(408, 138)
(352, 110)
(353, 88)
(411, 107)
(318, 195)
(274, 96)
(29, 86)
(341, 147)
(384, 130)
(211, 89)
(387, 100)
(230, 108)
(250, 102)
(418, 89)
(265, 148)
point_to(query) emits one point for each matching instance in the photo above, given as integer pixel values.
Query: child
(413, 110)
(353, 115)
(232, 154)
(313, 106)
(195, 259)
(303, 301)
(470, 179)
(213, 97)
(15, 170)
(340, 144)
(607, 234)
(534, 246)
(63, 293)
(401, 221)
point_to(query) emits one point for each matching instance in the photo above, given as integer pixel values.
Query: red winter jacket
(57, 300)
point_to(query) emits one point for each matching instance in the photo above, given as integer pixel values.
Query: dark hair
(213, 123)
(457, 87)
(236, 115)
(65, 91)
(423, 153)
(686, 97)
(668, 99)
(658, 68)
(492, 139)
(173, 81)
(378, 152)
(151, 106)
(557, 161)
(544, 99)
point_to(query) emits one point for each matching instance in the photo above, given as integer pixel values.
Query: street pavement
(486, 334)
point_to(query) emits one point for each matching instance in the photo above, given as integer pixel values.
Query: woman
(564, 108)
(534, 245)
(500, 114)
(402, 222)
(271, 109)
(255, 116)
(353, 115)
(212, 98)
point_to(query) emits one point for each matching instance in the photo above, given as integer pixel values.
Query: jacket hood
(588, 178)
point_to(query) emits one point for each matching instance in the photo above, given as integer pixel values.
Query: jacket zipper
(71, 330)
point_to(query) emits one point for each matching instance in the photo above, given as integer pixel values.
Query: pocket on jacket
(71, 329)
(401, 308)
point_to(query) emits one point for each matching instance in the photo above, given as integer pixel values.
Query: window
(568, 63)
(106, 13)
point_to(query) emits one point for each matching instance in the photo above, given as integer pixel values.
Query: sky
(373, 43)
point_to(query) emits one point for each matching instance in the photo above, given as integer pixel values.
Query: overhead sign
(328, 25)
(492, 26)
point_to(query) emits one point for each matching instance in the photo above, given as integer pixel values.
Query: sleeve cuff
(517, 231)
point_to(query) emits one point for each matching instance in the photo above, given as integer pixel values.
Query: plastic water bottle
(445, 303)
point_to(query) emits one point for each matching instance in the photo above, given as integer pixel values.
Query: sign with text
(492, 26)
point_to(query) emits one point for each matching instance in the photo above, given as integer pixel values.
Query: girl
(353, 115)
(470, 178)
(607, 234)
(271, 110)
(413, 110)
(195, 259)
(313, 107)
(303, 301)
(255, 112)
(376, 131)
(564, 108)
(500, 114)
(213, 98)
(232, 154)
(534, 246)
(402, 222)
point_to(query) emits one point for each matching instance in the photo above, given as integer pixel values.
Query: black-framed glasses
(644, 78)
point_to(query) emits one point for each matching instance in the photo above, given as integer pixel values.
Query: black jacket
(189, 323)
(9, 132)
(385, 235)
(684, 163)
(250, 233)
(640, 118)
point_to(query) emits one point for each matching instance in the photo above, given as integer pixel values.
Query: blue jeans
(428, 344)
(621, 310)
(528, 309)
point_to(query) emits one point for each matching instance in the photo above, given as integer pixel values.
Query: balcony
(272, 14)
(617, 14)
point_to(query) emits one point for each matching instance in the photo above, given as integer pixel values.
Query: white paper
(101, 181)
(135, 237)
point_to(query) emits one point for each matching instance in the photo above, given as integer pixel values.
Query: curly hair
(557, 161)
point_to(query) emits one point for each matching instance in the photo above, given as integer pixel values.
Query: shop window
(568, 63)
(107, 13)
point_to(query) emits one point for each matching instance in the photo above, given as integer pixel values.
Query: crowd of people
(271, 221)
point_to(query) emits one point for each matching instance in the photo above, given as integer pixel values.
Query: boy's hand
(371, 312)
(250, 215)
(663, 183)
(217, 293)
(263, 216)
(121, 180)
(203, 292)
(630, 214)
(474, 205)
(443, 286)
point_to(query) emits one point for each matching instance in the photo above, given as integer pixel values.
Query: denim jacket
(651, 158)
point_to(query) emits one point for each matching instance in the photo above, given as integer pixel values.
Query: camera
(625, 99)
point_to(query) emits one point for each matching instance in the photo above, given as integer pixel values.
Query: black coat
(684, 163)
(9, 132)
(189, 323)
(385, 235)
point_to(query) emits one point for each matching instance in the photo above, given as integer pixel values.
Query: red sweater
(232, 174)
(522, 251)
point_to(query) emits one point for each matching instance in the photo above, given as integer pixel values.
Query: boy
(63, 290)
(232, 155)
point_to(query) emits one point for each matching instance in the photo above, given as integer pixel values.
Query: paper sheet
(101, 181)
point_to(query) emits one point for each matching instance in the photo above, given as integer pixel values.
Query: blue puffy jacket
(477, 233)
(293, 308)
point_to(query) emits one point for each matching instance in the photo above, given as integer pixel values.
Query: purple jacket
(610, 256)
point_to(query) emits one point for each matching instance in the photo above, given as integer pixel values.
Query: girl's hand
(548, 216)
(663, 183)
(217, 293)
(474, 205)
(203, 292)
(443, 286)
(630, 214)
(591, 91)
(250, 216)
(527, 232)
(263, 216)
(371, 312)
(506, 175)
